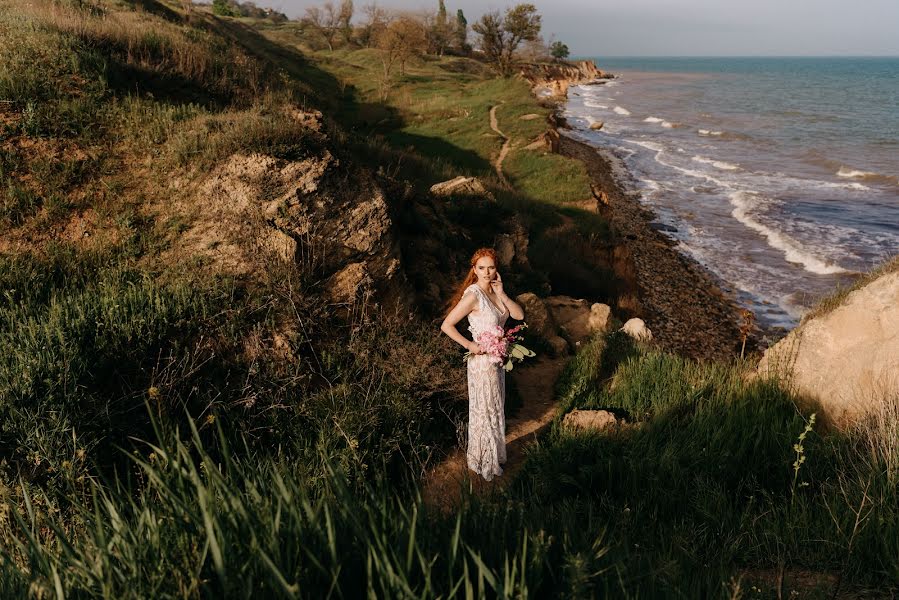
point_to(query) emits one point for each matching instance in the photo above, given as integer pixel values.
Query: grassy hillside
(173, 428)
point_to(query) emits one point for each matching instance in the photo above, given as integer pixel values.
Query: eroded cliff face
(331, 218)
(553, 79)
(847, 360)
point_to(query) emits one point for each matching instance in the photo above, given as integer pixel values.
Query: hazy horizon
(693, 28)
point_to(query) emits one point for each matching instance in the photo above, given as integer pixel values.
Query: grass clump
(704, 484)
(835, 300)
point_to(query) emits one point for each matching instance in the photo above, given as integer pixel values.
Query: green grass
(285, 440)
(700, 498)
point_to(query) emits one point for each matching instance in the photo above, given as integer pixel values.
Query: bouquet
(502, 346)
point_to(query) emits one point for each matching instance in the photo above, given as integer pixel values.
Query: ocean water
(780, 175)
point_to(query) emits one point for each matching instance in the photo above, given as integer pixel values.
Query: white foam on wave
(649, 145)
(590, 104)
(621, 111)
(848, 173)
(653, 120)
(668, 125)
(793, 250)
(651, 185)
(707, 132)
(720, 164)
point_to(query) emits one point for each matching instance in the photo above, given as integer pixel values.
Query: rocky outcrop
(846, 360)
(553, 79)
(564, 322)
(461, 186)
(332, 218)
(512, 248)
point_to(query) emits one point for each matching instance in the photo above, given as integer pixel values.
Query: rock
(599, 317)
(596, 420)
(578, 321)
(596, 125)
(529, 117)
(566, 309)
(601, 196)
(575, 320)
(284, 246)
(663, 227)
(537, 317)
(537, 144)
(311, 119)
(846, 360)
(505, 249)
(552, 140)
(638, 330)
(559, 345)
(344, 286)
(461, 186)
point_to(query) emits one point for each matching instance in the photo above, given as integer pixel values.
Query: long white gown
(486, 395)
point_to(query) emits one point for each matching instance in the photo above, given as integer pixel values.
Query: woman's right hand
(474, 348)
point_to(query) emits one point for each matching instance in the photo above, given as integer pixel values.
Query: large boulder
(538, 318)
(846, 360)
(578, 320)
(512, 247)
(541, 322)
(638, 330)
(595, 420)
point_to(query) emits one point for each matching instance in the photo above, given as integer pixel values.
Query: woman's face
(485, 269)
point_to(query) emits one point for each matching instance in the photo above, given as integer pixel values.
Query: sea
(779, 175)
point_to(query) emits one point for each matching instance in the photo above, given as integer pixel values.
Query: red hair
(471, 277)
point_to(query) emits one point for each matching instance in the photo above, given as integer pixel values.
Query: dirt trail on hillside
(443, 486)
(494, 125)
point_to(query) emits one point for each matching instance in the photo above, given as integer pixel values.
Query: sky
(692, 27)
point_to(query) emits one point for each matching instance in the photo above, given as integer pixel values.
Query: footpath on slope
(444, 485)
(498, 165)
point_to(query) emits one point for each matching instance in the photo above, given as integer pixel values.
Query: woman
(482, 299)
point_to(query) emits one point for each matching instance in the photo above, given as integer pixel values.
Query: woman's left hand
(497, 285)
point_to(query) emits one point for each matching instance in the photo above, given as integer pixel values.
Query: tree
(324, 21)
(461, 33)
(223, 9)
(344, 17)
(376, 20)
(501, 37)
(438, 28)
(404, 38)
(559, 50)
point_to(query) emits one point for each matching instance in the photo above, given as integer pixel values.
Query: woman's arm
(460, 311)
(515, 311)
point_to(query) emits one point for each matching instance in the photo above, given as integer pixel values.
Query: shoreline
(680, 300)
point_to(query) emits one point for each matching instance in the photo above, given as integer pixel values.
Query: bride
(482, 299)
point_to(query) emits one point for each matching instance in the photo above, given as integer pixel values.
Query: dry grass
(150, 43)
(879, 434)
(836, 299)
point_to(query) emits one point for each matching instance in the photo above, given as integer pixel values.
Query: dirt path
(444, 484)
(494, 125)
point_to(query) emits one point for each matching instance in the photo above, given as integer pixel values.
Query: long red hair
(471, 277)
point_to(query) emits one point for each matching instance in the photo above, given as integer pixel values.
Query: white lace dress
(486, 395)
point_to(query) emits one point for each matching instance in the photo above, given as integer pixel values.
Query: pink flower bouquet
(502, 346)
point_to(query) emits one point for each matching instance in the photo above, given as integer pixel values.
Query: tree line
(503, 39)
